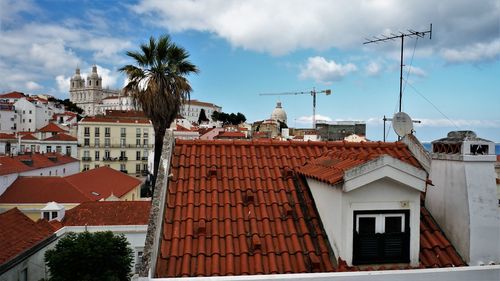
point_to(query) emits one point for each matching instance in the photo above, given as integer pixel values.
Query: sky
(245, 48)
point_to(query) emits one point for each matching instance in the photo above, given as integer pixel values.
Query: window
(86, 167)
(138, 132)
(58, 149)
(123, 142)
(123, 168)
(86, 131)
(49, 149)
(107, 142)
(138, 142)
(107, 132)
(145, 142)
(29, 120)
(97, 155)
(137, 155)
(381, 237)
(46, 215)
(23, 275)
(122, 132)
(138, 261)
(96, 142)
(68, 150)
(123, 155)
(107, 154)
(86, 142)
(137, 168)
(96, 131)
(54, 215)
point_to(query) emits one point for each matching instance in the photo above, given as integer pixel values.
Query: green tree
(225, 118)
(90, 256)
(203, 116)
(159, 85)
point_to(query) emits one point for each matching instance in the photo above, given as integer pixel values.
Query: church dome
(278, 113)
(94, 74)
(77, 74)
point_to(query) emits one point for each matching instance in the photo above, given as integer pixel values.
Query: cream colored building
(121, 140)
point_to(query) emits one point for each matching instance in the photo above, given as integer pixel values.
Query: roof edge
(394, 168)
(155, 225)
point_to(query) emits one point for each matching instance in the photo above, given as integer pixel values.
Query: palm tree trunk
(159, 135)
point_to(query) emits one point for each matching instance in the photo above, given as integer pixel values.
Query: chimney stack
(464, 200)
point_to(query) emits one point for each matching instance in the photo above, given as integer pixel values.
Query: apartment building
(121, 140)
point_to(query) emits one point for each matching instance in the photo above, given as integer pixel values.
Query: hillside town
(137, 144)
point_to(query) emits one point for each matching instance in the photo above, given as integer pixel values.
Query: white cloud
(52, 56)
(373, 68)
(445, 123)
(415, 71)
(321, 70)
(32, 85)
(473, 53)
(63, 83)
(279, 27)
(308, 119)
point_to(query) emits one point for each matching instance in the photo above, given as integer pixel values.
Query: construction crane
(312, 93)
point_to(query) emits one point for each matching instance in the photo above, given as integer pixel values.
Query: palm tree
(159, 85)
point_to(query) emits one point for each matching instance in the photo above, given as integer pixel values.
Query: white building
(89, 94)
(116, 103)
(8, 118)
(191, 110)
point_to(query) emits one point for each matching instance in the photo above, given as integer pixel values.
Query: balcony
(144, 173)
(123, 158)
(108, 159)
(86, 159)
(97, 135)
(138, 135)
(124, 171)
(107, 135)
(122, 135)
(145, 158)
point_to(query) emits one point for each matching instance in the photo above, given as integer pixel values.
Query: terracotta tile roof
(28, 137)
(125, 113)
(108, 213)
(238, 207)
(12, 95)
(201, 103)
(102, 119)
(181, 128)
(15, 164)
(330, 167)
(42, 190)
(19, 233)
(103, 182)
(225, 134)
(5, 136)
(61, 137)
(52, 128)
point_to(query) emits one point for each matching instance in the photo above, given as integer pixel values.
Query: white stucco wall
(35, 265)
(464, 203)
(336, 209)
(60, 170)
(6, 181)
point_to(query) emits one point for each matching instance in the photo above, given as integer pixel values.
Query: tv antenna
(312, 93)
(411, 33)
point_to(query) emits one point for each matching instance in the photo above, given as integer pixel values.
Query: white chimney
(52, 211)
(464, 200)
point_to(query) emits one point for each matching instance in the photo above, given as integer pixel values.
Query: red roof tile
(330, 167)
(230, 135)
(19, 233)
(5, 136)
(52, 128)
(42, 190)
(201, 103)
(108, 213)
(28, 137)
(103, 182)
(12, 95)
(238, 207)
(14, 164)
(102, 119)
(181, 128)
(61, 137)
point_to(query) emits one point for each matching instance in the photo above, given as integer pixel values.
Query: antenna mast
(411, 33)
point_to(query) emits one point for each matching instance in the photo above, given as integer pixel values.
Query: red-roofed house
(22, 245)
(31, 194)
(24, 242)
(225, 135)
(272, 207)
(12, 97)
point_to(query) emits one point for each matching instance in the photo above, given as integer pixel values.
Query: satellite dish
(402, 124)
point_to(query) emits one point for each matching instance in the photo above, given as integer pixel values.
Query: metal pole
(401, 75)
(314, 107)
(384, 127)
